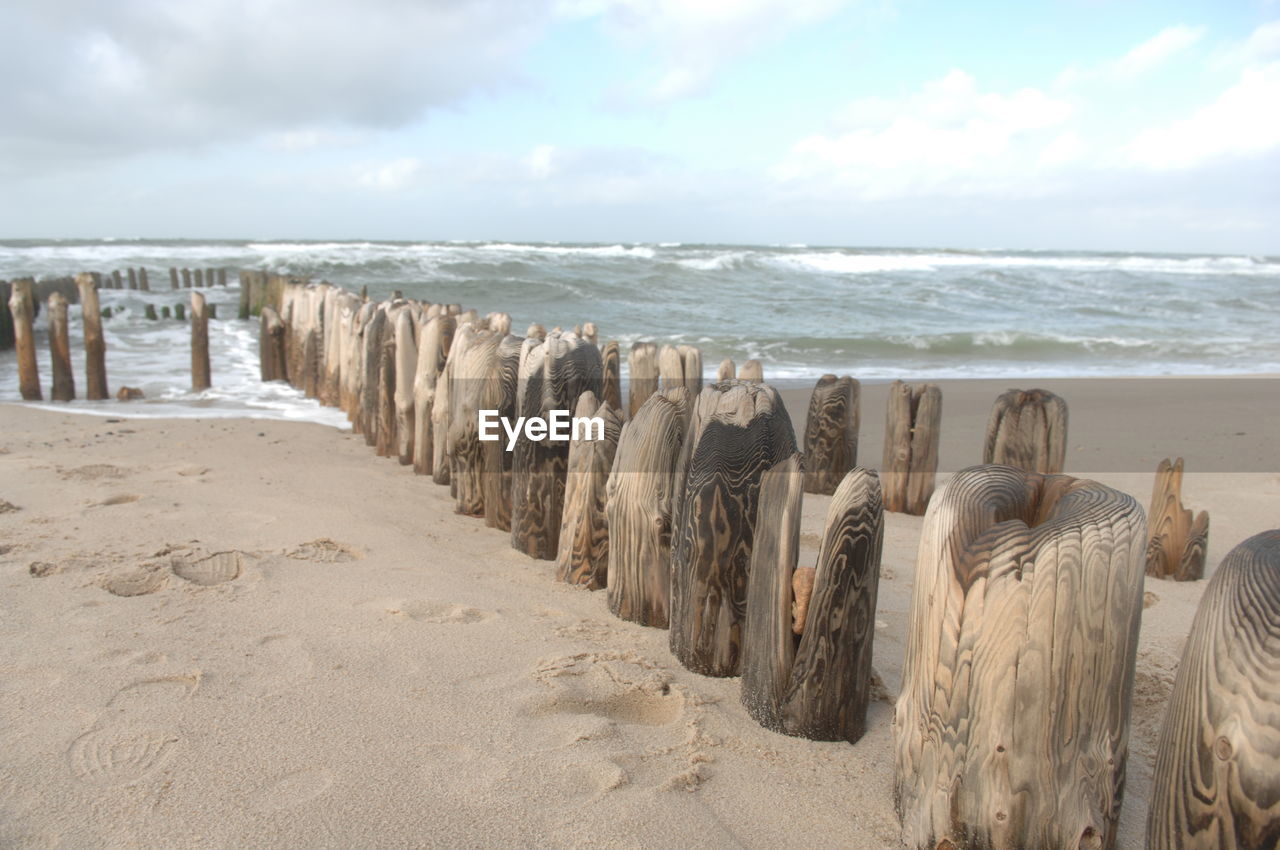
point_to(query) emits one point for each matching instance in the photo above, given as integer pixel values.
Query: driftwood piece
(1217, 771)
(751, 371)
(554, 373)
(641, 508)
(64, 382)
(1177, 543)
(831, 433)
(200, 372)
(737, 431)
(642, 365)
(95, 347)
(501, 395)
(271, 360)
(22, 308)
(406, 374)
(1012, 727)
(1027, 429)
(912, 429)
(611, 386)
(583, 556)
(727, 371)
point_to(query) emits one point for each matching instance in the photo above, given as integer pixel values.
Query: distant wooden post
(245, 280)
(180, 312)
(197, 278)
(1012, 726)
(22, 308)
(64, 383)
(553, 375)
(831, 433)
(583, 556)
(222, 276)
(641, 508)
(1217, 772)
(727, 371)
(95, 347)
(751, 371)
(406, 374)
(200, 377)
(186, 278)
(1027, 429)
(165, 312)
(149, 312)
(642, 363)
(738, 430)
(611, 388)
(143, 283)
(116, 279)
(271, 356)
(1177, 544)
(133, 277)
(173, 278)
(912, 430)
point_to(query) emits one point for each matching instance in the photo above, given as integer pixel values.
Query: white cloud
(541, 161)
(392, 176)
(1156, 50)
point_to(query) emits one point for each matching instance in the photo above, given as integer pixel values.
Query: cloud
(87, 80)
(392, 176)
(1156, 50)
(950, 137)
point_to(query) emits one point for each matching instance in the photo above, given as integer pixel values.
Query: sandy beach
(228, 632)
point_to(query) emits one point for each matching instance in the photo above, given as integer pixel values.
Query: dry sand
(237, 632)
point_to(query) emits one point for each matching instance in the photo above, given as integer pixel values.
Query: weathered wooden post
(22, 308)
(173, 279)
(611, 388)
(149, 312)
(807, 646)
(727, 371)
(222, 276)
(831, 433)
(95, 347)
(642, 493)
(751, 371)
(143, 283)
(117, 280)
(180, 312)
(590, 333)
(431, 356)
(165, 312)
(200, 377)
(186, 278)
(197, 276)
(536, 331)
(64, 382)
(1177, 543)
(501, 394)
(691, 357)
(469, 389)
(1027, 429)
(271, 346)
(554, 373)
(681, 366)
(738, 430)
(6, 320)
(385, 444)
(583, 557)
(1013, 722)
(245, 280)
(1217, 772)
(406, 375)
(133, 277)
(642, 363)
(912, 430)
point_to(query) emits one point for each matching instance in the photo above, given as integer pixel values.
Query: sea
(802, 310)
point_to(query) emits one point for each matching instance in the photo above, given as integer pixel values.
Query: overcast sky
(1091, 124)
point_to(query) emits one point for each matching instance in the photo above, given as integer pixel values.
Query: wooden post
(751, 371)
(165, 312)
(611, 388)
(1217, 772)
(143, 283)
(149, 312)
(583, 557)
(271, 346)
(116, 279)
(133, 277)
(641, 504)
(431, 347)
(180, 312)
(912, 429)
(95, 347)
(64, 383)
(22, 308)
(222, 276)
(738, 430)
(197, 278)
(372, 343)
(1013, 722)
(468, 372)
(1027, 429)
(245, 280)
(831, 433)
(173, 279)
(727, 371)
(186, 278)
(809, 635)
(670, 367)
(553, 374)
(406, 375)
(6, 320)
(536, 331)
(200, 377)
(642, 363)
(501, 394)
(691, 360)
(385, 443)
(1177, 543)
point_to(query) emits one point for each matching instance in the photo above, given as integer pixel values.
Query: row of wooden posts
(185, 278)
(1011, 729)
(22, 306)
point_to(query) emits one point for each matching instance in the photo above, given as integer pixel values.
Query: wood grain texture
(830, 679)
(831, 433)
(1177, 543)
(642, 492)
(642, 364)
(554, 373)
(611, 363)
(502, 394)
(271, 359)
(727, 371)
(372, 358)
(22, 309)
(1027, 429)
(912, 431)
(1217, 772)
(200, 371)
(468, 373)
(691, 359)
(768, 643)
(406, 376)
(385, 417)
(751, 371)
(1012, 727)
(95, 346)
(430, 362)
(738, 430)
(64, 382)
(670, 367)
(583, 556)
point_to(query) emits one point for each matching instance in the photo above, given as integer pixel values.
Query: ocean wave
(640, 251)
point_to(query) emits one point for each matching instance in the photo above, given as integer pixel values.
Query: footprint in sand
(208, 569)
(425, 610)
(325, 551)
(622, 687)
(141, 580)
(146, 697)
(121, 754)
(291, 790)
(8, 507)
(93, 472)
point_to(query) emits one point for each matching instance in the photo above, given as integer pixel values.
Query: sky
(1125, 125)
